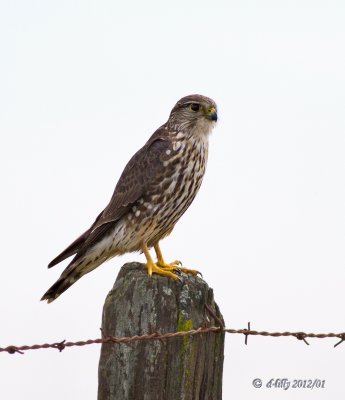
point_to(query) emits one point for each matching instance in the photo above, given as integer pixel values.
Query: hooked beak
(211, 114)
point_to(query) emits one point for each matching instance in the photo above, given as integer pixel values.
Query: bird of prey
(156, 187)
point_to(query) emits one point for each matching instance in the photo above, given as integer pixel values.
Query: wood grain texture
(188, 368)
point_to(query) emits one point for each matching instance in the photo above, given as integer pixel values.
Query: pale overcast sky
(83, 86)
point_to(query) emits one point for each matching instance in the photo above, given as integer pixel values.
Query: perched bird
(156, 187)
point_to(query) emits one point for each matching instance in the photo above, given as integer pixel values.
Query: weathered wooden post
(188, 367)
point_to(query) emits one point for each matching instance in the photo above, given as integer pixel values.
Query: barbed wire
(159, 336)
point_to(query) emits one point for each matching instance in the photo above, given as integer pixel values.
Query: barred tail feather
(91, 252)
(58, 288)
(70, 275)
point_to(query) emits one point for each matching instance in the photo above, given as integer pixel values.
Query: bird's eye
(194, 107)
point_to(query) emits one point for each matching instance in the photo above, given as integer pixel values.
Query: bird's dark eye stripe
(195, 106)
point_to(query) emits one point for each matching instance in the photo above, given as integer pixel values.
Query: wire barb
(302, 336)
(13, 349)
(342, 338)
(60, 346)
(246, 334)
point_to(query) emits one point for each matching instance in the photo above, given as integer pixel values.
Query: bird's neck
(184, 141)
(191, 131)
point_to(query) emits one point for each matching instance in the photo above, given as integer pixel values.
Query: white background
(85, 83)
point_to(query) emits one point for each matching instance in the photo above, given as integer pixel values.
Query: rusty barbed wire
(158, 336)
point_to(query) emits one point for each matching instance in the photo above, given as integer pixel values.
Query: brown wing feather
(138, 173)
(73, 248)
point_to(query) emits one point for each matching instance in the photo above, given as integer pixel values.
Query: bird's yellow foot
(177, 267)
(171, 266)
(153, 268)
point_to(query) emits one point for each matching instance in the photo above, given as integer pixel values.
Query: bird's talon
(193, 272)
(156, 269)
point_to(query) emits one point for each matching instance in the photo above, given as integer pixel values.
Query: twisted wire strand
(158, 336)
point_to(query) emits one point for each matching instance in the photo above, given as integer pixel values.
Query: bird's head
(196, 113)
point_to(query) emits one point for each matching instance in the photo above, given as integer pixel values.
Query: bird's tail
(70, 275)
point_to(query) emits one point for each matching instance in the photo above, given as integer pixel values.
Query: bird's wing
(73, 247)
(138, 173)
